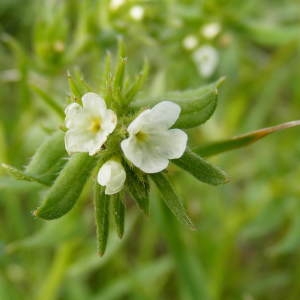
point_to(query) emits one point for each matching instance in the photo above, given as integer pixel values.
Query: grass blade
(242, 140)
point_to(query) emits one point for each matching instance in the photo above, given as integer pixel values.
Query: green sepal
(118, 213)
(171, 199)
(197, 105)
(77, 85)
(49, 159)
(138, 187)
(19, 175)
(137, 83)
(201, 169)
(241, 140)
(67, 187)
(101, 204)
(120, 67)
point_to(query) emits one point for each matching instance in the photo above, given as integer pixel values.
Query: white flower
(112, 175)
(190, 42)
(116, 4)
(88, 125)
(137, 12)
(206, 59)
(211, 30)
(151, 143)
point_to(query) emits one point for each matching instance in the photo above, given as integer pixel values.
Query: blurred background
(249, 239)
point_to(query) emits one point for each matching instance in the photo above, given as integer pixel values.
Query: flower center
(141, 136)
(95, 125)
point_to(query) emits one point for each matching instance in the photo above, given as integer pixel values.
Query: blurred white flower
(151, 143)
(112, 175)
(88, 125)
(116, 4)
(137, 12)
(211, 30)
(206, 59)
(190, 42)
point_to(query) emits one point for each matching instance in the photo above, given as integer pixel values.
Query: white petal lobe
(112, 175)
(88, 125)
(93, 103)
(151, 144)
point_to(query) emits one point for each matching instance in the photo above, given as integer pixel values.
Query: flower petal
(170, 144)
(84, 141)
(73, 112)
(109, 123)
(77, 141)
(143, 156)
(97, 142)
(104, 174)
(162, 116)
(112, 175)
(139, 122)
(94, 104)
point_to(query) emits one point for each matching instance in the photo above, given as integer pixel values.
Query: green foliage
(247, 240)
(119, 214)
(67, 187)
(197, 105)
(49, 159)
(102, 206)
(171, 199)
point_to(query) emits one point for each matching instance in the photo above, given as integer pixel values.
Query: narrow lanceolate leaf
(49, 159)
(197, 105)
(139, 190)
(241, 140)
(119, 214)
(120, 72)
(18, 174)
(101, 203)
(270, 35)
(77, 85)
(201, 169)
(67, 187)
(57, 108)
(171, 199)
(137, 83)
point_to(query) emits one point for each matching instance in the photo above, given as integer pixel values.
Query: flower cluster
(150, 144)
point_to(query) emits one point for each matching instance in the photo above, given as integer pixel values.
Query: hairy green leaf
(137, 83)
(197, 105)
(49, 159)
(18, 174)
(171, 199)
(77, 85)
(138, 189)
(67, 187)
(119, 213)
(101, 203)
(201, 169)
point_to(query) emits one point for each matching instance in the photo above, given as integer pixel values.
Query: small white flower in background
(88, 125)
(137, 12)
(206, 59)
(190, 42)
(211, 30)
(112, 175)
(116, 4)
(151, 143)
